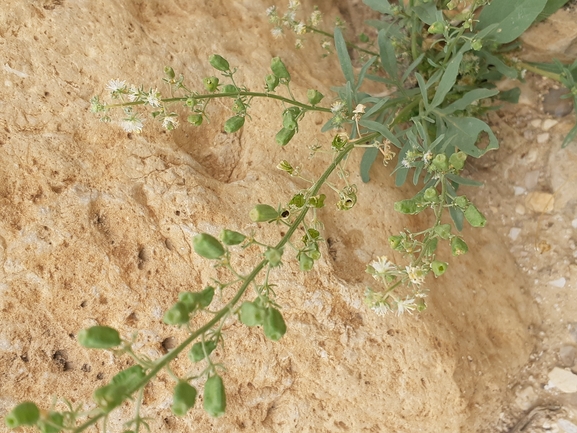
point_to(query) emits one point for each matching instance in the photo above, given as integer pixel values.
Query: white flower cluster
(289, 20)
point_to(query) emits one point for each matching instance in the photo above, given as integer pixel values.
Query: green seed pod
(183, 398)
(315, 254)
(457, 160)
(207, 246)
(298, 200)
(284, 136)
(129, 377)
(443, 231)
(340, 141)
(169, 72)
(317, 201)
(229, 237)
(439, 268)
(279, 69)
(197, 352)
(195, 119)
(251, 314)
(190, 102)
(408, 206)
(273, 256)
(233, 124)
(274, 325)
(458, 246)
(219, 63)
(26, 413)
(99, 337)
(190, 299)
(288, 120)
(314, 96)
(239, 106)
(395, 242)
(177, 314)
(475, 218)
(461, 202)
(214, 396)
(210, 83)
(430, 194)
(263, 212)
(230, 88)
(437, 28)
(271, 82)
(109, 396)
(440, 162)
(305, 262)
(46, 425)
(205, 297)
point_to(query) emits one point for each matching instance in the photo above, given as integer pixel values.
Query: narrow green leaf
(468, 98)
(381, 129)
(458, 217)
(447, 81)
(363, 72)
(381, 6)
(367, 162)
(511, 95)
(423, 89)
(343, 55)
(570, 136)
(387, 54)
(464, 132)
(507, 71)
(376, 107)
(412, 67)
(513, 17)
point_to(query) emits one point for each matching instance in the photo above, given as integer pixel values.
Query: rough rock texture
(96, 227)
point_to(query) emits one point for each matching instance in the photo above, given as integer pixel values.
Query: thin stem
(349, 44)
(535, 69)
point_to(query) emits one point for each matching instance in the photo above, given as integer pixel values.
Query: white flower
(407, 305)
(298, 44)
(316, 18)
(153, 98)
(382, 265)
(380, 309)
(360, 109)
(427, 157)
(300, 28)
(276, 32)
(133, 94)
(337, 106)
(326, 45)
(116, 85)
(270, 11)
(405, 163)
(132, 124)
(294, 4)
(170, 122)
(415, 274)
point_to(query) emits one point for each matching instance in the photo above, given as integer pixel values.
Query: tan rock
(540, 202)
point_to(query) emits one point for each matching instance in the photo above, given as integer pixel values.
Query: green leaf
(387, 54)
(423, 90)
(343, 54)
(550, 8)
(363, 72)
(570, 136)
(381, 6)
(464, 132)
(412, 66)
(447, 81)
(468, 98)
(381, 129)
(428, 13)
(367, 161)
(507, 71)
(458, 217)
(511, 95)
(513, 17)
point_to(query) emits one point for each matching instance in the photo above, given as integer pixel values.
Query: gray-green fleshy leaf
(343, 55)
(367, 161)
(447, 80)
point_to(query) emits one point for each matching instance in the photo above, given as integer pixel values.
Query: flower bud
(219, 62)
(99, 337)
(279, 69)
(251, 314)
(233, 124)
(274, 325)
(440, 162)
(439, 268)
(190, 102)
(284, 136)
(395, 242)
(26, 413)
(461, 202)
(430, 194)
(458, 246)
(408, 206)
(177, 314)
(229, 237)
(239, 106)
(214, 396)
(210, 83)
(195, 119)
(477, 45)
(437, 28)
(271, 82)
(314, 96)
(443, 231)
(263, 212)
(273, 255)
(207, 246)
(340, 141)
(288, 120)
(183, 398)
(169, 72)
(474, 217)
(305, 262)
(457, 160)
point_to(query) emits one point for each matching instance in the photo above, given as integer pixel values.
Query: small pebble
(559, 282)
(540, 202)
(554, 105)
(519, 190)
(543, 138)
(536, 123)
(526, 398)
(531, 179)
(520, 209)
(548, 124)
(572, 327)
(567, 356)
(514, 233)
(574, 223)
(566, 426)
(563, 380)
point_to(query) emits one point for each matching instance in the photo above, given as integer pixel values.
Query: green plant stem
(228, 95)
(349, 44)
(166, 359)
(535, 69)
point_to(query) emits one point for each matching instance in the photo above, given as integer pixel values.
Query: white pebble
(563, 380)
(559, 282)
(520, 209)
(519, 190)
(536, 123)
(532, 179)
(543, 138)
(514, 233)
(548, 124)
(574, 223)
(567, 426)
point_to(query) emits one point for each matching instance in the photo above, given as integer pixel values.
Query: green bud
(288, 121)
(210, 83)
(177, 314)
(251, 314)
(437, 28)
(109, 396)
(443, 231)
(279, 69)
(239, 106)
(233, 124)
(408, 206)
(26, 413)
(273, 255)
(305, 262)
(198, 350)
(263, 212)
(99, 337)
(440, 162)
(207, 246)
(129, 377)
(219, 63)
(214, 396)
(340, 141)
(195, 119)
(271, 82)
(475, 218)
(439, 268)
(314, 96)
(183, 398)
(457, 160)
(284, 136)
(477, 45)
(230, 237)
(190, 102)
(230, 88)
(274, 325)
(395, 242)
(363, 38)
(458, 246)
(430, 194)
(461, 202)
(205, 297)
(169, 72)
(46, 425)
